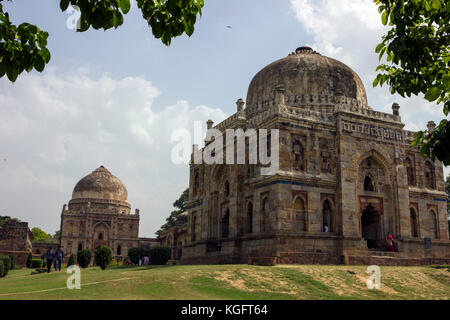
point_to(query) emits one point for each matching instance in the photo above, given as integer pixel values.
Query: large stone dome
(100, 184)
(308, 79)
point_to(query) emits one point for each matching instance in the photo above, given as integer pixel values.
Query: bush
(6, 265)
(84, 258)
(71, 260)
(13, 262)
(102, 257)
(159, 255)
(2, 268)
(138, 253)
(29, 259)
(36, 263)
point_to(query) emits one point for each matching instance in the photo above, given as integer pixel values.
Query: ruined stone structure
(175, 237)
(16, 240)
(99, 215)
(342, 164)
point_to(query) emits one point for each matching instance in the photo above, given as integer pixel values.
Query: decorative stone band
(372, 131)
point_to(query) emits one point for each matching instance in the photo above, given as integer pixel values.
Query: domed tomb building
(347, 177)
(99, 215)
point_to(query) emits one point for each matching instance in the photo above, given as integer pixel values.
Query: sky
(115, 97)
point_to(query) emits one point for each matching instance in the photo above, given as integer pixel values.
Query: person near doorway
(325, 227)
(389, 242)
(49, 257)
(59, 257)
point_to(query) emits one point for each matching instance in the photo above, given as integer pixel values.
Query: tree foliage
(40, 235)
(4, 220)
(102, 257)
(24, 47)
(417, 48)
(84, 258)
(181, 205)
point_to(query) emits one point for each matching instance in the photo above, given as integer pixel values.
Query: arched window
(119, 250)
(268, 142)
(300, 210)
(80, 246)
(226, 224)
(196, 183)
(299, 156)
(433, 225)
(249, 221)
(429, 175)
(414, 224)
(368, 184)
(194, 222)
(265, 214)
(410, 172)
(227, 189)
(100, 236)
(327, 217)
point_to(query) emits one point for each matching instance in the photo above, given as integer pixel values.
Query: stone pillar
(395, 109)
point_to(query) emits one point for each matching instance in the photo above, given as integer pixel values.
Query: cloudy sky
(114, 98)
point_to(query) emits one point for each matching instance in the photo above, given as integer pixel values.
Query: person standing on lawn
(49, 257)
(59, 257)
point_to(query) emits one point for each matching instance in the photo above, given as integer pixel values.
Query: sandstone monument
(99, 215)
(347, 176)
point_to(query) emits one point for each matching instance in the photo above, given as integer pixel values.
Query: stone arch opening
(433, 225)
(100, 235)
(80, 246)
(300, 213)
(265, 214)
(429, 175)
(327, 217)
(119, 250)
(414, 223)
(227, 189)
(368, 184)
(299, 156)
(226, 224)
(249, 220)
(410, 172)
(371, 227)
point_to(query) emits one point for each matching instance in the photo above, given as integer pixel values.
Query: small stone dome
(307, 78)
(100, 184)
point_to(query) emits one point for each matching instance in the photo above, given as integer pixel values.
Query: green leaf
(384, 18)
(45, 54)
(433, 93)
(436, 4)
(39, 63)
(124, 5)
(12, 74)
(379, 47)
(64, 4)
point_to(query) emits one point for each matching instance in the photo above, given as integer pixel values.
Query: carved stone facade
(99, 215)
(342, 164)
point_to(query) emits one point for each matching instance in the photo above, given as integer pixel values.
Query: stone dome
(100, 184)
(307, 78)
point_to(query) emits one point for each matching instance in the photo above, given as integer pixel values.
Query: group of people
(56, 258)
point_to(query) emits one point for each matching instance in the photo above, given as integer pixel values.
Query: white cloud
(56, 128)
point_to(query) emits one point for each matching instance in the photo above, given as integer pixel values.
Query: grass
(282, 282)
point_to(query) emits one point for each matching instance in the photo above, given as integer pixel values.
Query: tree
(71, 261)
(84, 258)
(57, 235)
(5, 219)
(29, 260)
(24, 47)
(39, 235)
(417, 46)
(102, 257)
(180, 205)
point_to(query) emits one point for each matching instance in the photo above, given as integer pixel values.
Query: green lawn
(230, 282)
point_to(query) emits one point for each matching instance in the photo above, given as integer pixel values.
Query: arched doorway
(414, 224)
(327, 217)
(371, 227)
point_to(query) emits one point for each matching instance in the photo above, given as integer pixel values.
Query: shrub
(6, 265)
(2, 268)
(36, 263)
(159, 255)
(102, 257)
(71, 260)
(29, 259)
(13, 262)
(138, 253)
(84, 258)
